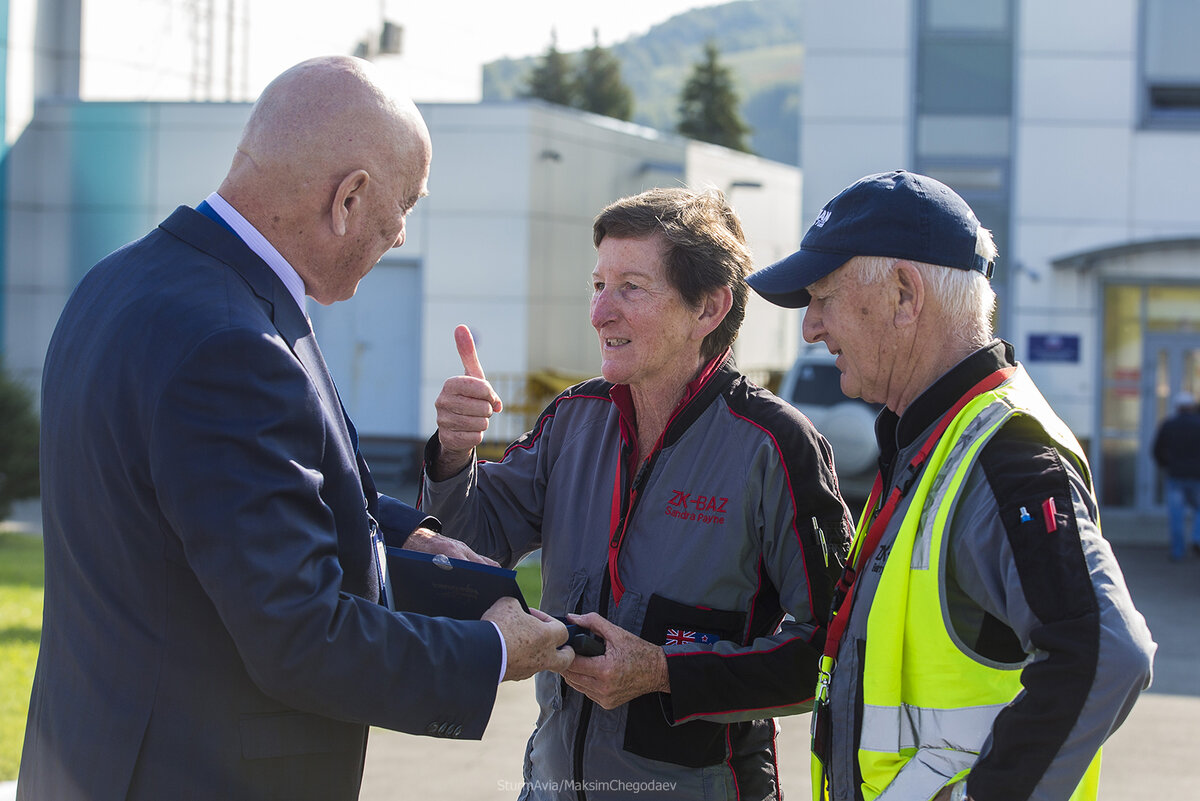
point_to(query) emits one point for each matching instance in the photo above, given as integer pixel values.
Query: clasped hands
(630, 666)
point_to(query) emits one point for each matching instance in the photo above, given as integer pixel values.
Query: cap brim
(783, 283)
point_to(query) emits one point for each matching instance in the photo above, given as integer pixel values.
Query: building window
(978, 15)
(1121, 400)
(1171, 63)
(966, 75)
(964, 60)
(963, 136)
(962, 125)
(1173, 309)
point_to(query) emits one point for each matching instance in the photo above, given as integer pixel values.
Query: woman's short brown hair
(705, 248)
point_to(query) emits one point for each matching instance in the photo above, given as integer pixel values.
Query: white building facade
(1073, 129)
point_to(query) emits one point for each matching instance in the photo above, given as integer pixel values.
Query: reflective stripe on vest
(926, 699)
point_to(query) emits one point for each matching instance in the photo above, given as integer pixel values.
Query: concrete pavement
(1151, 756)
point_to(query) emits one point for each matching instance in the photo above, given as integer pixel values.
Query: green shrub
(18, 444)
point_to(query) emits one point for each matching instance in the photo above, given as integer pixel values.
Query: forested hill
(759, 40)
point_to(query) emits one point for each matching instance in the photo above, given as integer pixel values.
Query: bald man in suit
(216, 618)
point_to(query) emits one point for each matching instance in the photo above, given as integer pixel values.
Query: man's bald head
(329, 115)
(325, 143)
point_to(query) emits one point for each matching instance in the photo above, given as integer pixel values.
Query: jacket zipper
(585, 710)
(617, 537)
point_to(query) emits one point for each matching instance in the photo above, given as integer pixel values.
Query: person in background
(687, 517)
(216, 616)
(1177, 454)
(984, 643)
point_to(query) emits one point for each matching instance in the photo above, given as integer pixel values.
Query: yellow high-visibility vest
(922, 691)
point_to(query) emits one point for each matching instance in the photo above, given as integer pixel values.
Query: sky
(445, 41)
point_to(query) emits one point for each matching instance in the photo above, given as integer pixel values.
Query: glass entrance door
(1171, 364)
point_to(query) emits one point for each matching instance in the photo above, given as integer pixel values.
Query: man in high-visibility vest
(984, 644)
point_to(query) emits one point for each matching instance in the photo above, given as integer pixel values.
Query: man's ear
(716, 305)
(347, 200)
(909, 287)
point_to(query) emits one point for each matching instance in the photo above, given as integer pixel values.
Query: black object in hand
(584, 642)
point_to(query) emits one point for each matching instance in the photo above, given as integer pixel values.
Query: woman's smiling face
(648, 335)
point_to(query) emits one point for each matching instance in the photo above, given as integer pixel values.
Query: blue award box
(439, 586)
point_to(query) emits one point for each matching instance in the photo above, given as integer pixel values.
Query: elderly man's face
(379, 226)
(855, 321)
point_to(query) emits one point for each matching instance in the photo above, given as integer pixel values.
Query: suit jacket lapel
(219, 242)
(309, 352)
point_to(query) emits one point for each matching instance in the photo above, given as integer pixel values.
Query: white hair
(965, 296)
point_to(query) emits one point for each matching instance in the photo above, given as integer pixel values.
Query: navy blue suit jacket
(212, 627)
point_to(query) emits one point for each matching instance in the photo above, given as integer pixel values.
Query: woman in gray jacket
(686, 516)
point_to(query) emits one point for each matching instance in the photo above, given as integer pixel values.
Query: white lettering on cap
(822, 218)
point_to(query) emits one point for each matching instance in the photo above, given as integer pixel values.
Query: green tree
(551, 79)
(708, 105)
(601, 88)
(18, 444)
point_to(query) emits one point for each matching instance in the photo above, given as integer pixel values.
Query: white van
(813, 385)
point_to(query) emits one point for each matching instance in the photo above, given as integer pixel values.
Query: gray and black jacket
(724, 543)
(1055, 606)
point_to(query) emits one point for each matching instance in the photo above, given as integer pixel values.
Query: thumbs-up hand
(467, 353)
(464, 406)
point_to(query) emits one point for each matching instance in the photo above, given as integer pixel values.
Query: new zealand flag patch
(686, 637)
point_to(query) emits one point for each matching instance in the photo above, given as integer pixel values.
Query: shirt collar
(261, 247)
(622, 396)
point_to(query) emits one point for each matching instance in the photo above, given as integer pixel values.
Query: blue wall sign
(1053, 348)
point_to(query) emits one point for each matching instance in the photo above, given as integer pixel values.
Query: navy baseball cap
(894, 214)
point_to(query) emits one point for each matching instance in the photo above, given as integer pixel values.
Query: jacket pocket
(648, 732)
